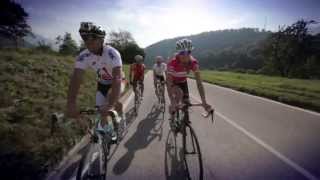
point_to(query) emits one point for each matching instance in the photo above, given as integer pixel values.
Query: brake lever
(211, 112)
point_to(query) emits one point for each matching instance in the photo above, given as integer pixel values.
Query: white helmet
(138, 58)
(159, 58)
(184, 45)
(87, 28)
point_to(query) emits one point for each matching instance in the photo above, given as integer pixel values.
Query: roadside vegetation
(298, 92)
(33, 86)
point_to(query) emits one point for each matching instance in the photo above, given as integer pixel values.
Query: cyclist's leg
(119, 105)
(184, 88)
(134, 84)
(177, 97)
(101, 99)
(162, 83)
(156, 85)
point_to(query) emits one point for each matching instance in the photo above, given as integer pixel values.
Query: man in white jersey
(107, 63)
(159, 69)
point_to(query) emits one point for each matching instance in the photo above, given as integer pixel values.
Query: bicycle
(98, 147)
(160, 91)
(181, 124)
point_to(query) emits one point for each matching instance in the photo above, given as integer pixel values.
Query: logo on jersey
(83, 56)
(103, 74)
(111, 55)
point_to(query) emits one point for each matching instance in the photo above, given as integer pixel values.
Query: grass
(298, 92)
(34, 84)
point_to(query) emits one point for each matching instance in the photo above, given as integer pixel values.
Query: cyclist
(159, 68)
(107, 63)
(136, 74)
(178, 69)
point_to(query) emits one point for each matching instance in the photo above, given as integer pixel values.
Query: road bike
(93, 164)
(180, 125)
(160, 93)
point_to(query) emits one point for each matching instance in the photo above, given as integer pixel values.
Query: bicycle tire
(103, 155)
(197, 152)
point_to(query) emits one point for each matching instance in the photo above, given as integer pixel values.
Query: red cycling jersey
(138, 71)
(179, 71)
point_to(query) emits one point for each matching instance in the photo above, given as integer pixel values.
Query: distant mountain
(215, 49)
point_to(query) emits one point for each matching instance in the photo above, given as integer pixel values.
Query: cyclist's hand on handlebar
(105, 109)
(207, 107)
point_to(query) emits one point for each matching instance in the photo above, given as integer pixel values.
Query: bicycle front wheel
(93, 164)
(192, 154)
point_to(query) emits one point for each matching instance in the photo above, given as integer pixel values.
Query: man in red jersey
(177, 70)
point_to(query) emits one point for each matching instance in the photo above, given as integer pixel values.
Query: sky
(151, 21)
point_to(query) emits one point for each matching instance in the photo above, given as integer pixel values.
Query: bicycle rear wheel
(192, 154)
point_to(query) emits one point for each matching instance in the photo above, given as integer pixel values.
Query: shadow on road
(143, 136)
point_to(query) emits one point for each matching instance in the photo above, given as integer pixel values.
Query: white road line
(283, 158)
(264, 99)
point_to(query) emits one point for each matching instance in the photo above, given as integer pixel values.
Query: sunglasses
(89, 37)
(184, 53)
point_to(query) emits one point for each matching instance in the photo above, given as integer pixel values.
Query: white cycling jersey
(103, 64)
(159, 69)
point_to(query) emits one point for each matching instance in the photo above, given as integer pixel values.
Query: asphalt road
(252, 138)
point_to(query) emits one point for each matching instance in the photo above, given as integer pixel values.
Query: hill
(217, 49)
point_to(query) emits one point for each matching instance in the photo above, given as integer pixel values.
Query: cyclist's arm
(200, 86)
(74, 87)
(116, 86)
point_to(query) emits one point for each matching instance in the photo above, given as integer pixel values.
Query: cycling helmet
(88, 28)
(159, 59)
(138, 58)
(184, 45)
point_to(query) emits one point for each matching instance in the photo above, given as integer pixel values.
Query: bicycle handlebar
(89, 111)
(211, 112)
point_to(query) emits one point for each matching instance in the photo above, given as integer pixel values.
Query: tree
(130, 50)
(288, 50)
(67, 45)
(125, 44)
(44, 47)
(13, 23)
(120, 39)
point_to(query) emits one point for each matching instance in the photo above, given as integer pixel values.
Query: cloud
(148, 21)
(151, 22)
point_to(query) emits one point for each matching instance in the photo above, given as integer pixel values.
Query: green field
(298, 92)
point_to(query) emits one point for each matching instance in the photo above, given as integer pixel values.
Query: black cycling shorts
(103, 89)
(184, 87)
(161, 78)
